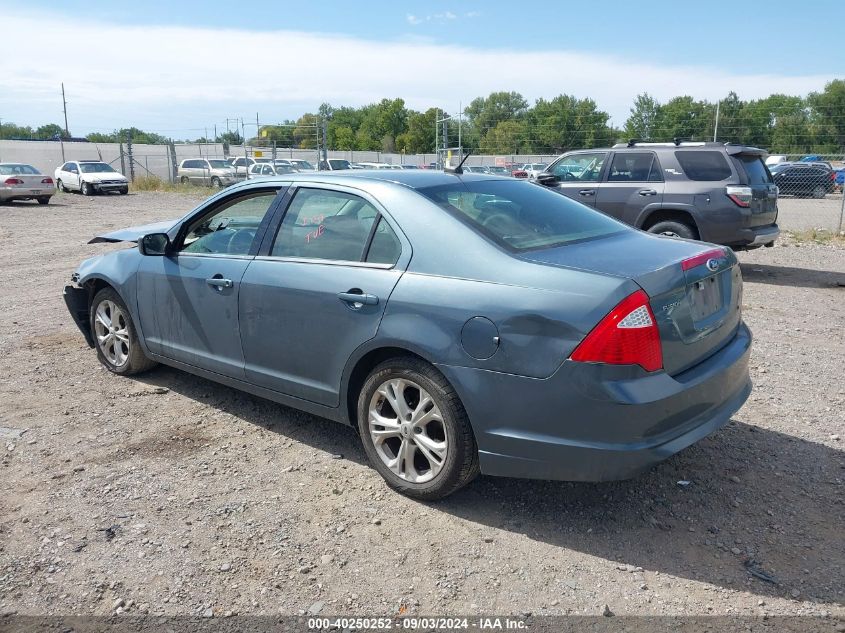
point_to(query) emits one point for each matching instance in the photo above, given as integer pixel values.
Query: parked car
(90, 177)
(270, 169)
(408, 166)
(301, 164)
(714, 192)
(804, 179)
(775, 159)
(19, 181)
(208, 172)
(241, 165)
(335, 164)
(532, 169)
(476, 169)
(499, 170)
(627, 346)
(371, 165)
(519, 172)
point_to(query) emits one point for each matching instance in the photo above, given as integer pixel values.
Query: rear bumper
(757, 236)
(76, 300)
(599, 423)
(15, 193)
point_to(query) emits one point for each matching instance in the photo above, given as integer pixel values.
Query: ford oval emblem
(713, 264)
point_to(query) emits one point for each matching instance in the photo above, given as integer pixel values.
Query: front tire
(819, 192)
(114, 333)
(215, 182)
(184, 180)
(415, 430)
(124, 191)
(673, 228)
(86, 189)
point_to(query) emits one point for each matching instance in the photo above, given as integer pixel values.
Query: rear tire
(673, 228)
(819, 192)
(184, 180)
(215, 182)
(429, 440)
(115, 339)
(61, 186)
(44, 200)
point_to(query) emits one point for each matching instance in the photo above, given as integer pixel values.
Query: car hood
(104, 176)
(133, 233)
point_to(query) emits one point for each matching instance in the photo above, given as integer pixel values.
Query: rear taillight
(626, 336)
(46, 181)
(13, 181)
(741, 196)
(698, 260)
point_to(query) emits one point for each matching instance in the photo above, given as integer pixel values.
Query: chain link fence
(811, 186)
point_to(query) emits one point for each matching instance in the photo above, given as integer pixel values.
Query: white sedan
(90, 177)
(19, 181)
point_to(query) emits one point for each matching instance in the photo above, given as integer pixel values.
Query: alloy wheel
(111, 329)
(407, 430)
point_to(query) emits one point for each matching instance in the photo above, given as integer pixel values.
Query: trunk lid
(28, 181)
(697, 309)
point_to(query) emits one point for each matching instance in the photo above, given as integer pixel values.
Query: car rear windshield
(755, 168)
(11, 170)
(521, 216)
(703, 164)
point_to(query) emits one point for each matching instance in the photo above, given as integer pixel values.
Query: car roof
(412, 178)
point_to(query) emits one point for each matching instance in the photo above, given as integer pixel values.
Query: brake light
(698, 260)
(14, 181)
(46, 181)
(741, 196)
(628, 335)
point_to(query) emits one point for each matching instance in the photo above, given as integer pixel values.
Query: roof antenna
(457, 170)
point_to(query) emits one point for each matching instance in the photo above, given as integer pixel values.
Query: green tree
(419, 136)
(508, 137)
(10, 131)
(827, 116)
(485, 113)
(305, 132)
(50, 131)
(564, 123)
(643, 118)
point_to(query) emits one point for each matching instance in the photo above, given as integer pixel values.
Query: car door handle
(647, 192)
(358, 297)
(587, 192)
(219, 282)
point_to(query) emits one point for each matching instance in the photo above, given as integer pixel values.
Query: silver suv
(210, 172)
(715, 192)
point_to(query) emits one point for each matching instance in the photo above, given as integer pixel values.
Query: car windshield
(521, 216)
(92, 168)
(219, 164)
(338, 163)
(11, 170)
(303, 164)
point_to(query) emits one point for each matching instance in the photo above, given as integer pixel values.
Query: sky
(179, 68)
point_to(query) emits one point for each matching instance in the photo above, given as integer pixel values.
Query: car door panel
(632, 183)
(188, 300)
(297, 333)
(579, 175)
(187, 319)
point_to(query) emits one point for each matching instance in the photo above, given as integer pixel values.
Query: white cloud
(412, 19)
(186, 77)
(472, 14)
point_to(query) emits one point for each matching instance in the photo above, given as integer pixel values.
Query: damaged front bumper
(76, 300)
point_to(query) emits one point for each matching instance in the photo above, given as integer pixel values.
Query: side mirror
(154, 244)
(547, 179)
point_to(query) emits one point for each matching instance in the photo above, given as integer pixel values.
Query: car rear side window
(521, 216)
(703, 164)
(634, 167)
(385, 247)
(325, 224)
(754, 168)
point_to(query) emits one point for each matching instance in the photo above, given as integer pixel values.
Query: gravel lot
(169, 494)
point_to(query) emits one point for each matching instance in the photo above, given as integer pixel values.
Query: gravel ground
(169, 494)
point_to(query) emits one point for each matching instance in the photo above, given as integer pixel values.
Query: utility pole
(257, 127)
(64, 107)
(716, 127)
(436, 146)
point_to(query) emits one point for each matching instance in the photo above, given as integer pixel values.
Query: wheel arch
(360, 367)
(687, 216)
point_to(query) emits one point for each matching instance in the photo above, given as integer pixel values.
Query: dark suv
(815, 179)
(715, 192)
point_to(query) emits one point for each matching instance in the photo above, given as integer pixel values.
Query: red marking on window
(313, 235)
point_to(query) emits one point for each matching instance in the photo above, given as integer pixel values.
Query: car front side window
(230, 228)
